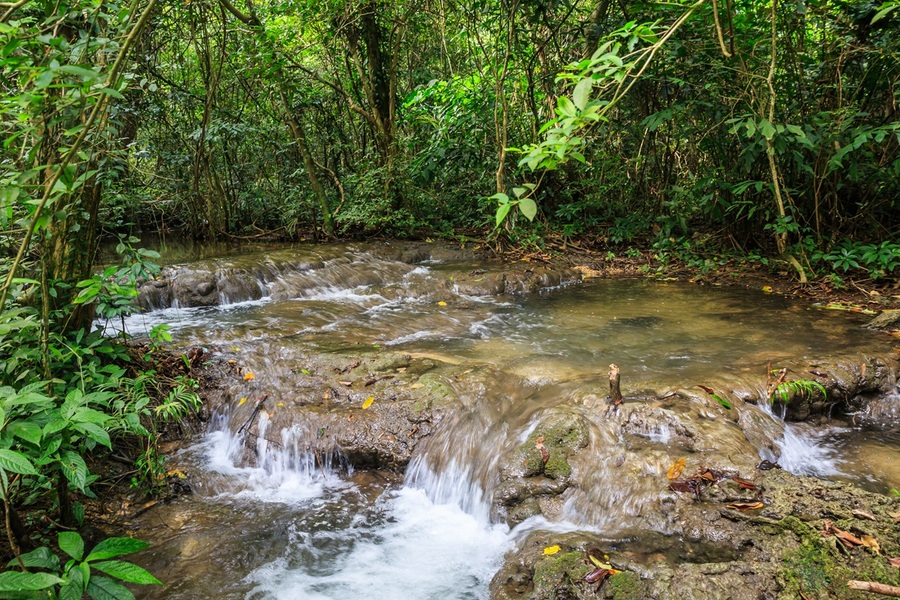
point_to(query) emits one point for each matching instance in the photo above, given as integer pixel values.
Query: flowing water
(289, 524)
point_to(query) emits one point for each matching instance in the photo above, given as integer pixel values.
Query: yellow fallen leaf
(249, 376)
(176, 473)
(871, 543)
(767, 289)
(442, 303)
(242, 400)
(280, 404)
(677, 467)
(551, 550)
(599, 563)
(416, 386)
(368, 402)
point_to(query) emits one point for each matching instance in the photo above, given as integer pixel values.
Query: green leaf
(126, 572)
(85, 74)
(582, 92)
(721, 401)
(117, 546)
(95, 432)
(16, 462)
(74, 586)
(528, 208)
(41, 558)
(72, 544)
(767, 129)
(103, 588)
(74, 468)
(16, 581)
(25, 430)
(502, 211)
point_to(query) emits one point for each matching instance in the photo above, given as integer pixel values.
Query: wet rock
(888, 319)
(537, 471)
(713, 552)
(195, 289)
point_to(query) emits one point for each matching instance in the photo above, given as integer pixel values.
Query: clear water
(293, 527)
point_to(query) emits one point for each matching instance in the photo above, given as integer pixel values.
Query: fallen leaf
(744, 484)
(249, 376)
(862, 370)
(280, 404)
(871, 543)
(551, 550)
(767, 289)
(416, 386)
(686, 486)
(599, 563)
(743, 506)
(597, 576)
(442, 303)
(545, 454)
(708, 390)
(846, 538)
(894, 562)
(675, 470)
(346, 383)
(368, 402)
(863, 515)
(176, 473)
(242, 401)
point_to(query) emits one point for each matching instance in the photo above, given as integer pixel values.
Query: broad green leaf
(17, 581)
(126, 571)
(74, 586)
(41, 558)
(72, 544)
(582, 92)
(767, 129)
(74, 468)
(528, 208)
(117, 546)
(24, 430)
(103, 588)
(16, 462)
(84, 73)
(95, 432)
(565, 107)
(502, 211)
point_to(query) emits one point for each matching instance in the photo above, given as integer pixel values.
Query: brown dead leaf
(597, 576)
(708, 390)
(745, 506)
(871, 543)
(862, 370)
(846, 538)
(545, 454)
(894, 562)
(744, 484)
(676, 469)
(863, 514)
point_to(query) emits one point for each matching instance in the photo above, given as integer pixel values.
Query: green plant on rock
(786, 391)
(42, 575)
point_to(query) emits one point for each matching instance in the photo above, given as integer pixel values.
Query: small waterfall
(800, 449)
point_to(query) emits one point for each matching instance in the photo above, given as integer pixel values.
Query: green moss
(817, 568)
(624, 586)
(556, 571)
(557, 467)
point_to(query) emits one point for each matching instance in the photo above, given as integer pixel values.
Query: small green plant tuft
(803, 388)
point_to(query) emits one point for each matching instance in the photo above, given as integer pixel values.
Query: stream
(273, 515)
